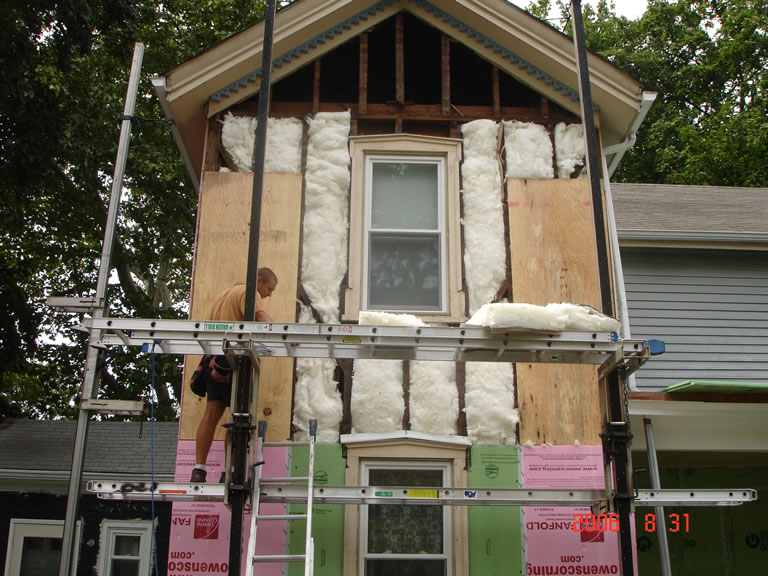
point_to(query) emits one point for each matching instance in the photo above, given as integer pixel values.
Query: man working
(230, 306)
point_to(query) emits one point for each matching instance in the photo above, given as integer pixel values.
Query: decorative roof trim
(362, 16)
(304, 48)
(499, 49)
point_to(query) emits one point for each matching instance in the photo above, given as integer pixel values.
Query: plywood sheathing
(221, 260)
(554, 259)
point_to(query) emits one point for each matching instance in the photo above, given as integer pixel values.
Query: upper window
(34, 547)
(404, 234)
(405, 245)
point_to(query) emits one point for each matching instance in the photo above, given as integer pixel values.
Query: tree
(708, 61)
(65, 69)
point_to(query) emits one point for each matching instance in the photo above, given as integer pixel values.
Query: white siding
(709, 306)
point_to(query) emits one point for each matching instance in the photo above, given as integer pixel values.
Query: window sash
(371, 234)
(110, 559)
(365, 468)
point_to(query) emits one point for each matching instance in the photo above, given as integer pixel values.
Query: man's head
(267, 282)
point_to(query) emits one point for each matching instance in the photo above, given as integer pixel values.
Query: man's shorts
(217, 390)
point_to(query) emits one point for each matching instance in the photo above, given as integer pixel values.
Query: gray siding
(709, 306)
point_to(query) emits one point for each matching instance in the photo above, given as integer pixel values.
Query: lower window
(405, 540)
(34, 547)
(125, 548)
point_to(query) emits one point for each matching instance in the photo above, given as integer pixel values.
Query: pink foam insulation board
(568, 540)
(200, 530)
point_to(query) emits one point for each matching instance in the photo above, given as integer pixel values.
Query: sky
(632, 9)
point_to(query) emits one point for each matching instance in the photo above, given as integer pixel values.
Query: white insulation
(284, 137)
(377, 396)
(570, 148)
(490, 403)
(562, 317)
(484, 246)
(326, 218)
(316, 395)
(528, 150)
(433, 397)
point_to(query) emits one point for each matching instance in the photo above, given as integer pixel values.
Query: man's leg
(207, 429)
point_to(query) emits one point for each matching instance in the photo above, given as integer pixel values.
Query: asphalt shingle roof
(113, 447)
(666, 207)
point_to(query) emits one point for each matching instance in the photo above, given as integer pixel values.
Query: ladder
(281, 483)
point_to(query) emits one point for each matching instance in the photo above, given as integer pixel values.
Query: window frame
(113, 528)
(445, 467)
(405, 147)
(21, 528)
(440, 231)
(413, 448)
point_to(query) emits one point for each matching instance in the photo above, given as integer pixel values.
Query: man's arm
(262, 316)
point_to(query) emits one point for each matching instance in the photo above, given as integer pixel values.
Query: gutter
(618, 150)
(158, 83)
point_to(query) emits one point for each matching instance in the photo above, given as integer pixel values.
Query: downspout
(618, 150)
(158, 83)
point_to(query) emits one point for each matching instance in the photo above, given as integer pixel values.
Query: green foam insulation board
(495, 532)
(718, 387)
(327, 519)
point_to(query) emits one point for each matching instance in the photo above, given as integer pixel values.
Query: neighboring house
(114, 537)
(695, 263)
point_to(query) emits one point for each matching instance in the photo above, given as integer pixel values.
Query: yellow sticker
(351, 340)
(421, 493)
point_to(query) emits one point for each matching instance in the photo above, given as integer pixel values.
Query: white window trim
(443, 466)
(406, 145)
(112, 528)
(413, 450)
(21, 528)
(440, 230)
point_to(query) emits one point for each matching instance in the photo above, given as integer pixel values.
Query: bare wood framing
(399, 60)
(362, 100)
(445, 61)
(316, 87)
(496, 94)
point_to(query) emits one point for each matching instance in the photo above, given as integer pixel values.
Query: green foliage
(65, 70)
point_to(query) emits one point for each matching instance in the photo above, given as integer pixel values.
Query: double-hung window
(125, 548)
(405, 540)
(405, 239)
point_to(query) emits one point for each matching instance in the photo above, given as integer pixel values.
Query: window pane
(396, 529)
(124, 567)
(404, 272)
(404, 196)
(127, 545)
(405, 567)
(40, 556)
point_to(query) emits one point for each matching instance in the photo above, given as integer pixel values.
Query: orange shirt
(230, 304)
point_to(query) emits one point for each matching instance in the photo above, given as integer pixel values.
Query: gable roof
(39, 452)
(666, 212)
(516, 42)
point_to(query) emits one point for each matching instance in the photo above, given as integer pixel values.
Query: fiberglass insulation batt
(326, 217)
(316, 395)
(569, 148)
(528, 150)
(484, 248)
(283, 153)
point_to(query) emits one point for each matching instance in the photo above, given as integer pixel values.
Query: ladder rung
(284, 479)
(280, 558)
(281, 517)
(286, 444)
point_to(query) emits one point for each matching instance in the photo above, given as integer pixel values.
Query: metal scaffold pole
(90, 388)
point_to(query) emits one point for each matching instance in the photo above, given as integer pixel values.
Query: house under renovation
(424, 161)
